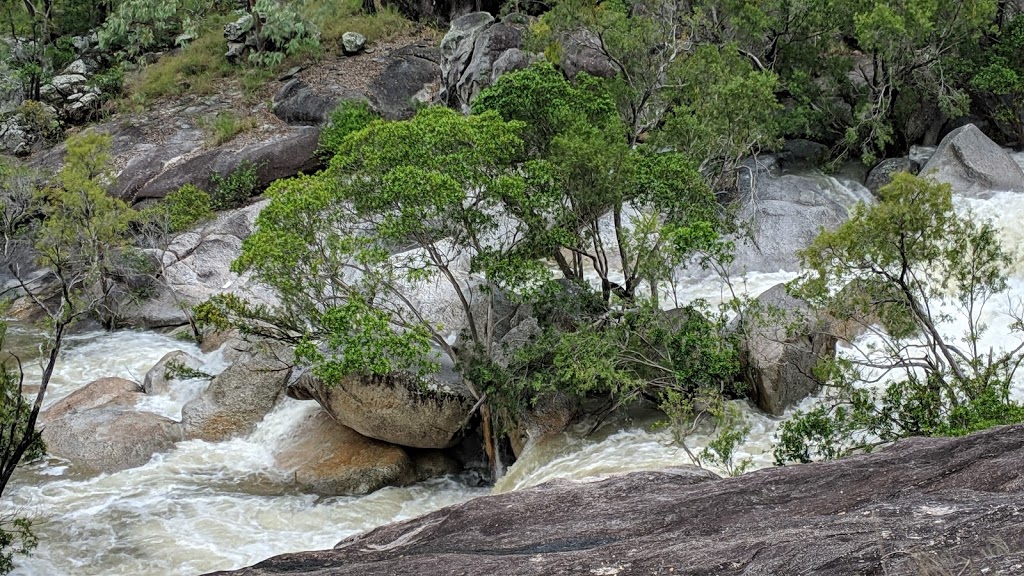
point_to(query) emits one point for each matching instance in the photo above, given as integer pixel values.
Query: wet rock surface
(162, 377)
(333, 460)
(110, 437)
(236, 400)
(785, 213)
(105, 391)
(781, 342)
(922, 504)
(196, 265)
(883, 173)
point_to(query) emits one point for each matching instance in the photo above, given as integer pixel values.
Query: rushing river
(212, 506)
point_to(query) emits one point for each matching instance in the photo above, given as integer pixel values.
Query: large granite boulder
(581, 52)
(281, 157)
(883, 172)
(974, 165)
(470, 54)
(785, 213)
(111, 437)
(236, 400)
(196, 265)
(549, 413)
(412, 78)
(329, 459)
(395, 408)
(922, 506)
(781, 342)
(112, 391)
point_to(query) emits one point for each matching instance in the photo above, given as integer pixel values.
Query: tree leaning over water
(512, 202)
(905, 270)
(78, 246)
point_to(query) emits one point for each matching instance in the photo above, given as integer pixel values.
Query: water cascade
(210, 506)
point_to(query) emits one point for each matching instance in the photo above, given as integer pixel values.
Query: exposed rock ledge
(924, 506)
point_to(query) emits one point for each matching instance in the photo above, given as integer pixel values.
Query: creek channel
(213, 506)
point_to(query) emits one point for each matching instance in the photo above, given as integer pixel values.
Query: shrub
(236, 188)
(917, 266)
(199, 68)
(225, 126)
(282, 31)
(110, 82)
(335, 17)
(39, 119)
(350, 116)
(186, 207)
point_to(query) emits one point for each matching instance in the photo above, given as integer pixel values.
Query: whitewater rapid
(213, 506)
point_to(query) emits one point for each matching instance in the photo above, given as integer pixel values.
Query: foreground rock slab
(923, 506)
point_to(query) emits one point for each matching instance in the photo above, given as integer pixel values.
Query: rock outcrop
(974, 165)
(582, 53)
(922, 506)
(236, 400)
(329, 459)
(781, 342)
(785, 213)
(395, 409)
(474, 52)
(883, 172)
(298, 104)
(412, 78)
(195, 266)
(160, 378)
(281, 157)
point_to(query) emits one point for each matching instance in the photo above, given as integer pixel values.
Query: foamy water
(201, 507)
(212, 506)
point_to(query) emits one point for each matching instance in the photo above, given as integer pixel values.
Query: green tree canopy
(915, 266)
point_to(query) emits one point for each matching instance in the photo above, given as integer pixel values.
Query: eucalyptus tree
(77, 244)
(907, 270)
(539, 184)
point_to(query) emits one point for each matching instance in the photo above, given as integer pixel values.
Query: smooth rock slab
(93, 395)
(236, 400)
(895, 512)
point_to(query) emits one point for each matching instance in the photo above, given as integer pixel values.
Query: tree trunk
(490, 444)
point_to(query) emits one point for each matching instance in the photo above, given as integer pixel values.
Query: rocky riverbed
(244, 457)
(922, 506)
